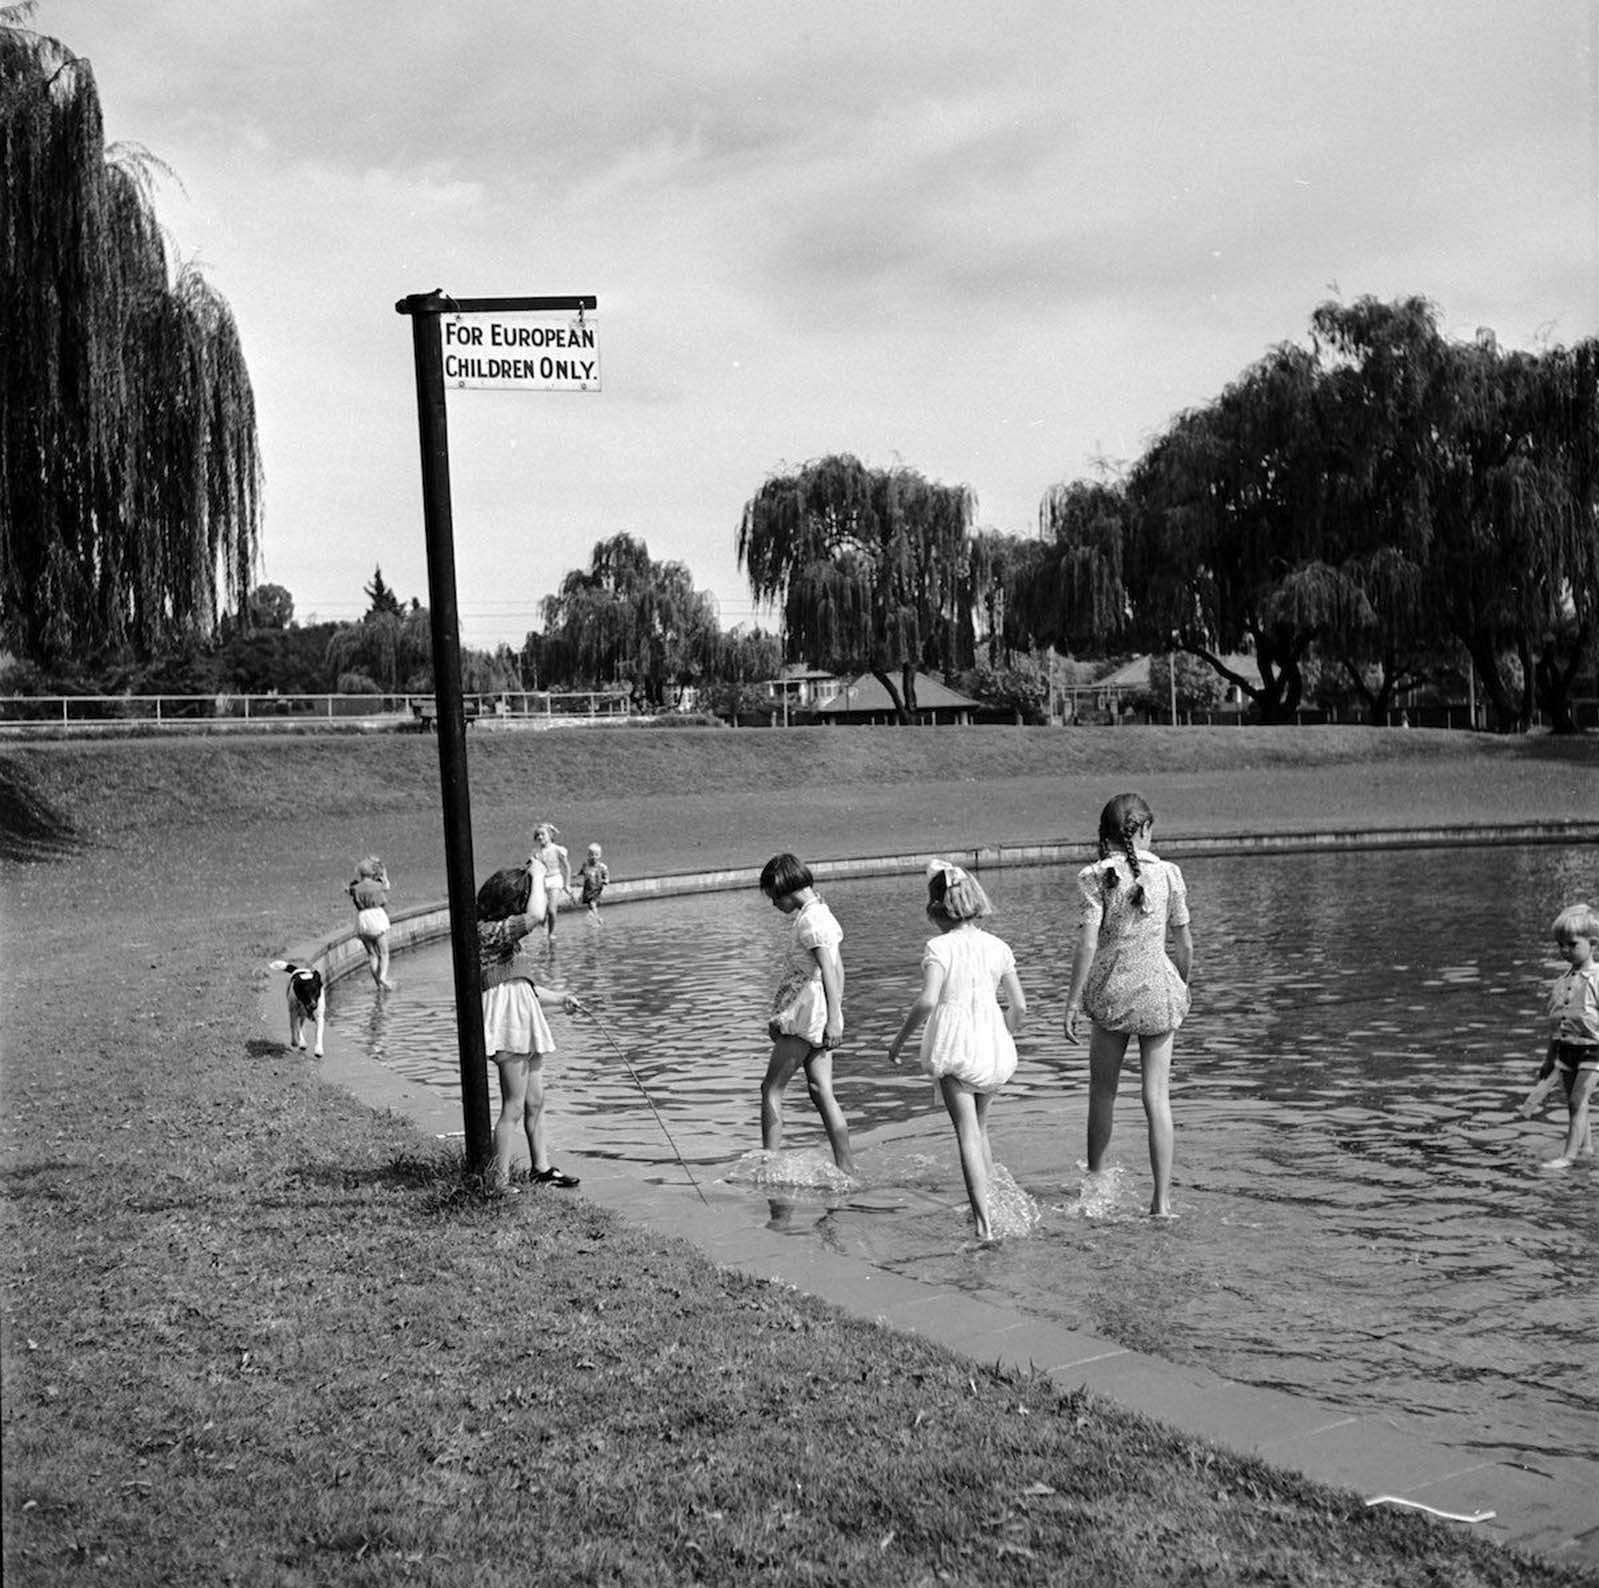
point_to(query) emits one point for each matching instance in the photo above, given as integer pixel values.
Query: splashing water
(803, 1170)
(1103, 1194)
(1011, 1211)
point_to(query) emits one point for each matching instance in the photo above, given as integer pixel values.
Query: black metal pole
(433, 429)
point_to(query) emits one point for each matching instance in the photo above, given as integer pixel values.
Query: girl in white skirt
(516, 1035)
(968, 1045)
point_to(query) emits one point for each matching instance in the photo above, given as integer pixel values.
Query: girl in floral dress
(1125, 981)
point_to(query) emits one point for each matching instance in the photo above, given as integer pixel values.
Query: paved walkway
(1542, 1505)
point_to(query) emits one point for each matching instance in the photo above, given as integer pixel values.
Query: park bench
(425, 712)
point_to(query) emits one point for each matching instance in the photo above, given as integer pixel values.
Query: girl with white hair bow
(968, 1039)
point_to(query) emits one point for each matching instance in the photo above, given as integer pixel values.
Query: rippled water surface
(1361, 1215)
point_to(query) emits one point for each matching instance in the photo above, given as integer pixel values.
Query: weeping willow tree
(872, 567)
(627, 618)
(130, 473)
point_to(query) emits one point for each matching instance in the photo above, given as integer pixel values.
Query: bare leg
(514, 1069)
(1155, 1056)
(982, 1100)
(533, 1115)
(1105, 1053)
(963, 1115)
(788, 1053)
(819, 1082)
(383, 963)
(1579, 1133)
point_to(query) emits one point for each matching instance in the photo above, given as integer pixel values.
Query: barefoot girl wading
(1126, 983)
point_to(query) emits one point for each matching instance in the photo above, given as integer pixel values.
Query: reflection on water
(1361, 1215)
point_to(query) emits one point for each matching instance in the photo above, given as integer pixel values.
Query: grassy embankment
(257, 1334)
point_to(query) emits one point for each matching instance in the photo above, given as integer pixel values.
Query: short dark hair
(505, 894)
(785, 874)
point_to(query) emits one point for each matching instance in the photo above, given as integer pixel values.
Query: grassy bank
(256, 1334)
(108, 787)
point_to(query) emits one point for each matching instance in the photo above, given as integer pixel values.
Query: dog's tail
(289, 965)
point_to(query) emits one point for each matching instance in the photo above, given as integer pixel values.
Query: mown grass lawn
(255, 1333)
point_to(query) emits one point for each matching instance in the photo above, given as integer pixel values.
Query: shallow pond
(1361, 1215)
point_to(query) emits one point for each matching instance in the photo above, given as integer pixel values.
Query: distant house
(864, 700)
(798, 688)
(1134, 676)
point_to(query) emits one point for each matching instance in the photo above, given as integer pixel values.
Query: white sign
(522, 352)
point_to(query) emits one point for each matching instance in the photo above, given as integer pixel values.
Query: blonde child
(369, 893)
(968, 1044)
(1573, 1030)
(551, 861)
(593, 874)
(807, 1020)
(516, 1036)
(1125, 981)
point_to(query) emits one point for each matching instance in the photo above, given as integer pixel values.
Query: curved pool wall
(342, 955)
(1511, 1494)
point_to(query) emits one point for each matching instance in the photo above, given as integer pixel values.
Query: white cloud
(983, 241)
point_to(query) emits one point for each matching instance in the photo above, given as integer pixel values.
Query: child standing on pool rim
(807, 1021)
(1573, 1014)
(1127, 984)
(968, 1044)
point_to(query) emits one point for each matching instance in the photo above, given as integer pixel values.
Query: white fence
(23, 714)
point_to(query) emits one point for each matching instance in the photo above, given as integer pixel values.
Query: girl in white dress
(968, 1043)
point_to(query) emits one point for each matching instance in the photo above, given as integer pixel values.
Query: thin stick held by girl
(1127, 983)
(968, 1039)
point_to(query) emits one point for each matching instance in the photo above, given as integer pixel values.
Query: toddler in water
(1127, 984)
(968, 1044)
(1573, 1029)
(807, 1020)
(369, 893)
(593, 874)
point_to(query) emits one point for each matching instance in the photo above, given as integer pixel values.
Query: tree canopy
(1376, 500)
(130, 474)
(628, 619)
(872, 569)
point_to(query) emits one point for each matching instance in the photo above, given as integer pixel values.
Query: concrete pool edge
(1539, 1505)
(340, 954)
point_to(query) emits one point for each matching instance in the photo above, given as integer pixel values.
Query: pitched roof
(1135, 674)
(867, 694)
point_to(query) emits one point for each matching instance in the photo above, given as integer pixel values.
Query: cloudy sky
(994, 242)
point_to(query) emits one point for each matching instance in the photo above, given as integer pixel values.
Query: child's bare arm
(1016, 1002)
(932, 980)
(1182, 951)
(832, 968)
(1087, 943)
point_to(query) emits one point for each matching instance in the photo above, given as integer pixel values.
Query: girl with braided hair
(1127, 983)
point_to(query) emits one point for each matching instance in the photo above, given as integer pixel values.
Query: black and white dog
(306, 1002)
